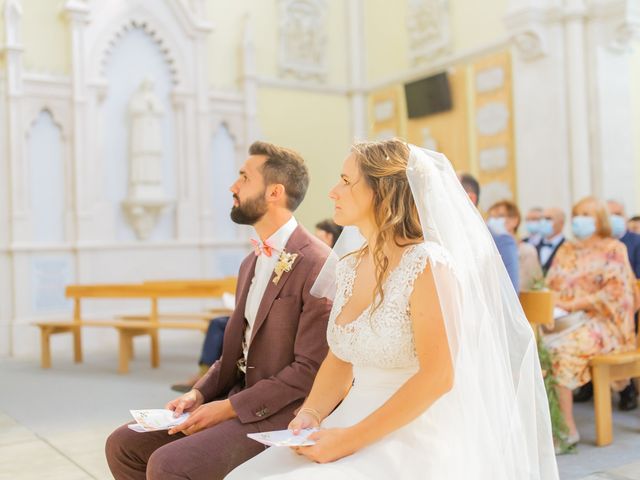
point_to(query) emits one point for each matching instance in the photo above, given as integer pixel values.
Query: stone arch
(154, 34)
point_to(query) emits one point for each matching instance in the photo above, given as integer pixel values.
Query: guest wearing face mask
(551, 226)
(620, 231)
(505, 243)
(532, 226)
(631, 240)
(593, 281)
(504, 217)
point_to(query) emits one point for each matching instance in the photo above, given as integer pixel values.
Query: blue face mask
(583, 226)
(496, 225)
(618, 226)
(546, 227)
(533, 227)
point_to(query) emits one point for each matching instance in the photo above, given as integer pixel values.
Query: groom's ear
(276, 193)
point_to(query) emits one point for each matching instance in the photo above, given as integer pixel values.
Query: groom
(273, 345)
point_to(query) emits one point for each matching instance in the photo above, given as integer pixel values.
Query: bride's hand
(301, 421)
(331, 444)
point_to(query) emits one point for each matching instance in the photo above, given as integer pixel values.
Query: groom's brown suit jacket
(288, 340)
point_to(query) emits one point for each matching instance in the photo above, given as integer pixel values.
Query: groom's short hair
(286, 167)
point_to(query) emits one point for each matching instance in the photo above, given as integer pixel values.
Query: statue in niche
(146, 145)
(146, 200)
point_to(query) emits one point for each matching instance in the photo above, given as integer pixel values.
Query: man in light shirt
(273, 344)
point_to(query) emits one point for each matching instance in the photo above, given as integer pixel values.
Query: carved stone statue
(303, 38)
(146, 200)
(146, 146)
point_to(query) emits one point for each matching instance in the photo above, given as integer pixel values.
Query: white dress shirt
(547, 250)
(264, 268)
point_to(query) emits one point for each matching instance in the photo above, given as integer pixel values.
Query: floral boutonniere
(285, 262)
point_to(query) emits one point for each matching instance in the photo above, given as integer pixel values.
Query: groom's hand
(185, 403)
(206, 416)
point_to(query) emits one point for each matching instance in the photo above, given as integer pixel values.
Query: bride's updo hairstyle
(383, 166)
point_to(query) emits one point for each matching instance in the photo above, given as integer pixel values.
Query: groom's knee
(117, 446)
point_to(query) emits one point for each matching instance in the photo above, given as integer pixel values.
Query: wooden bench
(132, 326)
(605, 369)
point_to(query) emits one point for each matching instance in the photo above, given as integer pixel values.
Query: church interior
(123, 123)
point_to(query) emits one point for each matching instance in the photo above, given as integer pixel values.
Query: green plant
(558, 426)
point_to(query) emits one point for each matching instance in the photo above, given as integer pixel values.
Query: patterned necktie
(260, 247)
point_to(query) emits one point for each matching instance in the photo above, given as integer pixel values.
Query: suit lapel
(296, 241)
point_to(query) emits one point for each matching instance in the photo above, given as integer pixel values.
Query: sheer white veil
(494, 423)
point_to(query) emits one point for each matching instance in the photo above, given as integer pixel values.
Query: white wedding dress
(381, 349)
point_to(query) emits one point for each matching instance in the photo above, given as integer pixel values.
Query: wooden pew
(605, 369)
(538, 307)
(129, 328)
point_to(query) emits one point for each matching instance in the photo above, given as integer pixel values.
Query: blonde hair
(383, 166)
(603, 225)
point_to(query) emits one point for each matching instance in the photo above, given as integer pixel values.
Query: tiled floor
(53, 423)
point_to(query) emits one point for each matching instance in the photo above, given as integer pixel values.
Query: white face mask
(583, 226)
(533, 227)
(497, 225)
(618, 225)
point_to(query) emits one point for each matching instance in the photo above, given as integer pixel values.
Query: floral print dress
(600, 272)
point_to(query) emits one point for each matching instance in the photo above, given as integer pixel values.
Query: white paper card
(155, 419)
(284, 438)
(559, 312)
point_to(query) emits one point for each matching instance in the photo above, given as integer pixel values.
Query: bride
(433, 371)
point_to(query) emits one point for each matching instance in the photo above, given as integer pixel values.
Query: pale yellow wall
(224, 45)
(45, 37)
(635, 96)
(385, 38)
(223, 51)
(474, 24)
(317, 126)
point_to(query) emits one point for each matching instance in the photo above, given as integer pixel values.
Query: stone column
(355, 16)
(83, 198)
(572, 99)
(541, 127)
(16, 197)
(612, 27)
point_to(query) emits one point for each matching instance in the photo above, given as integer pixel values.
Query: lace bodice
(384, 339)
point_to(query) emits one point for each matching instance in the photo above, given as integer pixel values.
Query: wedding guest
(634, 224)
(532, 226)
(273, 344)
(628, 396)
(551, 226)
(593, 280)
(506, 243)
(328, 231)
(504, 217)
(620, 231)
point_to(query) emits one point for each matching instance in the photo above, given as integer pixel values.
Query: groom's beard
(249, 211)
